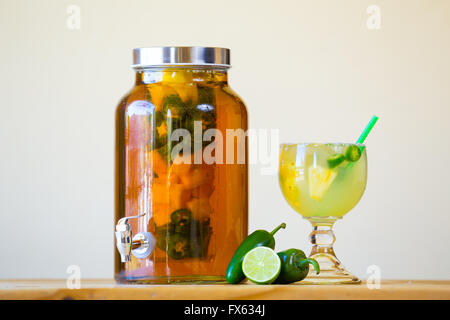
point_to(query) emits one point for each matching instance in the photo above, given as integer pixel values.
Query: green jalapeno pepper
(181, 217)
(258, 238)
(184, 237)
(199, 243)
(162, 234)
(178, 246)
(294, 266)
(353, 153)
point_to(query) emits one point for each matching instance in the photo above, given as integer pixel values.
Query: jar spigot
(141, 245)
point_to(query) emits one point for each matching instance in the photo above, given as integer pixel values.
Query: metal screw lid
(177, 56)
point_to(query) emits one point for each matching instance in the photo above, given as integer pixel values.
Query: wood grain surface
(108, 289)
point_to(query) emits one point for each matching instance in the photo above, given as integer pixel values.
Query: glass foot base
(331, 269)
(331, 277)
(331, 272)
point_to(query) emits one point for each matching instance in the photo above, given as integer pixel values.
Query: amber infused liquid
(196, 211)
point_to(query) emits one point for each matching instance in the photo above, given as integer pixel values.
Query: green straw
(364, 135)
(366, 131)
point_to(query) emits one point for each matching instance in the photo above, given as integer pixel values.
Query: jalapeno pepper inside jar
(184, 198)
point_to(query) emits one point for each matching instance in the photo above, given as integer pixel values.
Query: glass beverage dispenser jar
(181, 190)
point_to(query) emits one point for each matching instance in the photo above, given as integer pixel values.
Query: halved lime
(261, 265)
(335, 160)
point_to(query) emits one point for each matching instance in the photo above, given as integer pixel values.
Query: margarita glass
(323, 182)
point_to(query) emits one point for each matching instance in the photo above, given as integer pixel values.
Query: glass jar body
(181, 164)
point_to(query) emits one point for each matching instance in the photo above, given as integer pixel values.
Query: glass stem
(322, 237)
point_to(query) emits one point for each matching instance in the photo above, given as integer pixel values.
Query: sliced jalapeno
(183, 228)
(173, 102)
(352, 153)
(201, 233)
(164, 233)
(178, 246)
(205, 95)
(181, 217)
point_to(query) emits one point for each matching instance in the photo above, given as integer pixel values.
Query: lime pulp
(261, 265)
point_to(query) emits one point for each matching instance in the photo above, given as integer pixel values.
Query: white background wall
(310, 68)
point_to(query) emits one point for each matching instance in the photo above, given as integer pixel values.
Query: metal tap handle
(124, 237)
(124, 220)
(141, 245)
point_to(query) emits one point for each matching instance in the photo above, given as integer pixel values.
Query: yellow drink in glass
(323, 182)
(312, 188)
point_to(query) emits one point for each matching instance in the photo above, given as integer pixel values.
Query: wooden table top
(108, 289)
